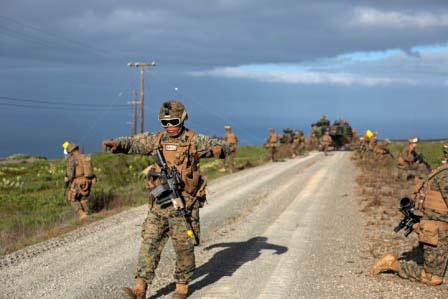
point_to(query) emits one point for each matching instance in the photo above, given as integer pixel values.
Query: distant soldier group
(367, 145)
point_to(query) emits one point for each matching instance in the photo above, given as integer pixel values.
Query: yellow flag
(369, 134)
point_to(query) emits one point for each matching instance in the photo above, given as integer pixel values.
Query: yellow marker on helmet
(65, 144)
(369, 134)
(190, 233)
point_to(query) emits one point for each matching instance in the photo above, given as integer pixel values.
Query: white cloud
(302, 77)
(390, 67)
(395, 19)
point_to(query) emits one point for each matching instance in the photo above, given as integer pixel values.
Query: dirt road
(282, 230)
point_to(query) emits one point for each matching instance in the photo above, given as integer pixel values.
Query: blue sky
(382, 65)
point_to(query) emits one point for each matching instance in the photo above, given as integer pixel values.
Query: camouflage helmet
(69, 146)
(227, 127)
(445, 149)
(413, 140)
(387, 141)
(173, 109)
(271, 130)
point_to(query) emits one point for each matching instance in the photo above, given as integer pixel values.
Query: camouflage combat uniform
(432, 229)
(372, 143)
(77, 182)
(407, 165)
(326, 142)
(298, 143)
(271, 144)
(232, 141)
(184, 152)
(381, 151)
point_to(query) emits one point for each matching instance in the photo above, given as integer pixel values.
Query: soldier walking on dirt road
(326, 141)
(232, 141)
(182, 150)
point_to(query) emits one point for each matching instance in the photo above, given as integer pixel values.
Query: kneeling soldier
(431, 207)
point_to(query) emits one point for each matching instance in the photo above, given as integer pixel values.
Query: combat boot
(386, 263)
(429, 279)
(181, 291)
(137, 292)
(82, 214)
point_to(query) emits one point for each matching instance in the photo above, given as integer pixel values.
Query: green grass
(32, 205)
(432, 151)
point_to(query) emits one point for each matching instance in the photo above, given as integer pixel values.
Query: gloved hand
(109, 144)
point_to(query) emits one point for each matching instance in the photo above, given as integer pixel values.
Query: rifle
(407, 208)
(168, 192)
(419, 158)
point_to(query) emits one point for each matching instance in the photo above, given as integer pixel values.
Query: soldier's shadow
(415, 254)
(225, 262)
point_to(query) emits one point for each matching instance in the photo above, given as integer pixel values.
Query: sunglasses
(173, 122)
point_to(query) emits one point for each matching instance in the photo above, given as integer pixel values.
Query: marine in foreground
(177, 191)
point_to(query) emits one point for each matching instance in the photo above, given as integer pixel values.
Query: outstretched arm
(210, 146)
(142, 144)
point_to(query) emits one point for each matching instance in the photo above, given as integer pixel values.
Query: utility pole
(135, 102)
(142, 65)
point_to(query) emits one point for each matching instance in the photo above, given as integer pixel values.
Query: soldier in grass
(431, 204)
(182, 149)
(410, 163)
(78, 179)
(381, 151)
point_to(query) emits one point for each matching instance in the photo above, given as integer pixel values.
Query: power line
(19, 29)
(14, 99)
(51, 38)
(51, 107)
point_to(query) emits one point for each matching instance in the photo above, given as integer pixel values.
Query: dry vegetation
(380, 193)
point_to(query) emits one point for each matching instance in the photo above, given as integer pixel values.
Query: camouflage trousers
(271, 152)
(77, 201)
(80, 205)
(230, 160)
(435, 260)
(298, 148)
(325, 148)
(157, 228)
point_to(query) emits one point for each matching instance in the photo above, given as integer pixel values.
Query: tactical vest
(433, 198)
(272, 139)
(181, 152)
(326, 139)
(84, 178)
(230, 138)
(83, 166)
